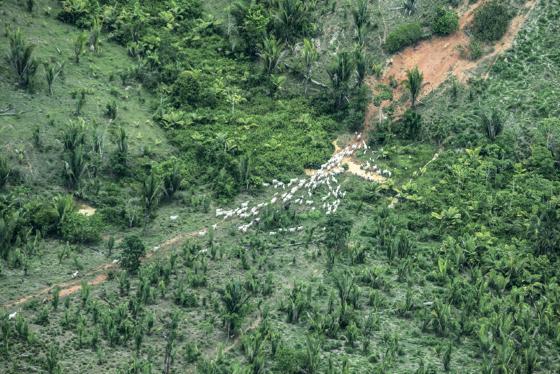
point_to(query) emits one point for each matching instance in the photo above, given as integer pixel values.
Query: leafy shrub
(76, 12)
(77, 228)
(403, 36)
(187, 88)
(4, 172)
(20, 57)
(445, 21)
(491, 20)
(411, 123)
(133, 250)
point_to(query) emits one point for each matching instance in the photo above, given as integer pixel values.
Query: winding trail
(99, 273)
(438, 58)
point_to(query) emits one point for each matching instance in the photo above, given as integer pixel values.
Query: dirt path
(99, 273)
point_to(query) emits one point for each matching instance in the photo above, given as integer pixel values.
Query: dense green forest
(279, 186)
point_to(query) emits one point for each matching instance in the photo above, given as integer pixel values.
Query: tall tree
(361, 20)
(151, 189)
(340, 73)
(310, 57)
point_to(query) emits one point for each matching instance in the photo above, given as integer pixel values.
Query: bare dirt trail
(99, 273)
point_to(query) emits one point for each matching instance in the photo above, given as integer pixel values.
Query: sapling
(53, 70)
(95, 36)
(79, 46)
(110, 246)
(413, 82)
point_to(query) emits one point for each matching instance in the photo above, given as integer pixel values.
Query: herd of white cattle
(300, 191)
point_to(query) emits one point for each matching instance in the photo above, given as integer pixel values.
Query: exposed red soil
(439, 58)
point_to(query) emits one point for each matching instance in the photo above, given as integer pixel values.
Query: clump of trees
(403, 36)
(445, 21)
(491, 20)
(133, 249)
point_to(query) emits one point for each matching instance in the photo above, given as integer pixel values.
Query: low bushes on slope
(403, 36)
(491, 20)
(445, 22)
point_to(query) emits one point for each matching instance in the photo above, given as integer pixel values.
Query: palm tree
(292, 17)
(234, 299)
(361, 20)
(271, 54)
(75, 167)
(493, 124)
(172, 181)
(362, 65)
(409, 7)
(340, 73)
(310, 57)
(151, 187)
(5, 171)
(95, 36)
(79, 46)
(413, 83)
(20, 57)
(52, 71)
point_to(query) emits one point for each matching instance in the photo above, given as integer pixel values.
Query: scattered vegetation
(117, 172)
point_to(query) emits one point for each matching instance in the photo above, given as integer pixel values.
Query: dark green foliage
(492, 123)
(172, 181)
(445, 21)
(20, 58)
(111, 110)
(75, 167)
(252, 22)
(547, 232)
(77, 228)
(234, 299)
(293, 19)
(410, 7)
(52, 364)
(5, 171)
(414, 81)
(337, 231)
(403, 36)
(491, 20)
(362, 20)
(53, 70)
(120, 157)
(411, 123)
(79, 46)
(187, 89)
(341, 72)
(151, 191)
(132, 250)
(271, 54)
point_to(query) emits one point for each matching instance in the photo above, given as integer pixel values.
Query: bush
(77, 228)
(491, 21)
(190, 88)
(445, 21)
(411, 124)
(403, 36)
(76, 12)
(133, 250)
